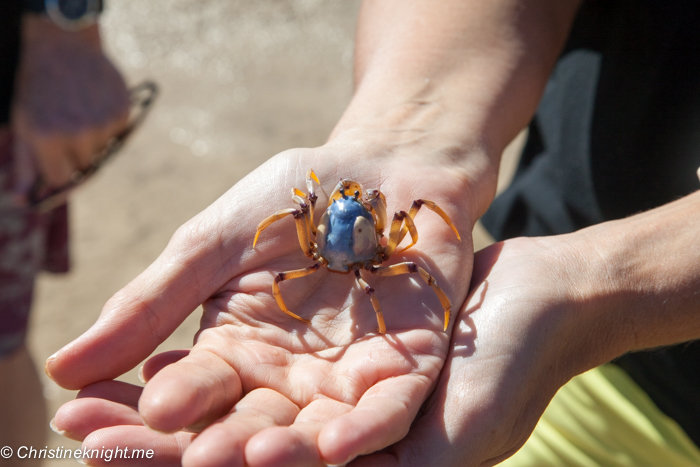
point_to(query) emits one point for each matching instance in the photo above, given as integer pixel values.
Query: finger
(99, 405)
(223, 444)
(192, 392)
(157, 362)
(296, 444)
(78, 418)
(203, 255)
(437, 438)
(145, 312)
(135, 446)
(454, 428)
(115, 391)
(382, 417)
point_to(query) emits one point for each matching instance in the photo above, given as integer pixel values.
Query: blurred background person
(61, 100)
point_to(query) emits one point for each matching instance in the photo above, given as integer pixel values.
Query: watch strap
(34, 6)
(70, 8)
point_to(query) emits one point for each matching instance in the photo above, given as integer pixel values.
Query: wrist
(74, 15)
(467, 174)
(594, 329)
(417, 127)
(38, 30)
(566, 319)
(637, 279)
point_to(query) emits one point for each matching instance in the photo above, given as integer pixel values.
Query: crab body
(346, 235)
(348, 239)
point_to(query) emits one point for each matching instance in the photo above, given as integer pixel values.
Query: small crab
(348, 239)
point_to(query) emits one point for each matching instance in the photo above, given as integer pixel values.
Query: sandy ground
(240, 81)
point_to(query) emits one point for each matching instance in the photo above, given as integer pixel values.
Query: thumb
(194, 265)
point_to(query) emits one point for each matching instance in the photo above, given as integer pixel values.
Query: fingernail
(80, 461)
(54, 428)
(46, 365)
(140, 375)
(342, 464)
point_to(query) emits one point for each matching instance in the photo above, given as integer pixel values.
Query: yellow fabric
(602, 418)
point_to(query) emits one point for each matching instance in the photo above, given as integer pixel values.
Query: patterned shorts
(30, 241)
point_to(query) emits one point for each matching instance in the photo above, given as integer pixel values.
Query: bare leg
(283, 276)
(22, 406)
(410, 268)
(375, 303)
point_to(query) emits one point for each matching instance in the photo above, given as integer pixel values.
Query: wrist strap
(72, 9)
(71, 15)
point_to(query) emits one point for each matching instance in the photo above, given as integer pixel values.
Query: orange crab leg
(394, 233)
(265, 223)
(410, 268)
(299, 197)
(310, 175)
(302, 223)
(283, 276)
(433, 207)
(375, 303)
(377, 203)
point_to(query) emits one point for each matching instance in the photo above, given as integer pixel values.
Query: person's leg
(22, 406)
(22, 251)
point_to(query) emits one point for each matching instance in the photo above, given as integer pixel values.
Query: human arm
(455, 81)
(69, 101)
(433, 145)
(543, 310)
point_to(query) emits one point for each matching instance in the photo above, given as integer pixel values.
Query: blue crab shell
(346, 236)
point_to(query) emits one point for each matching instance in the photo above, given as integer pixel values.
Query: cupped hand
(69, 102)
(338, 388)
(524, 331)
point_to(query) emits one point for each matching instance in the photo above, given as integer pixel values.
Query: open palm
(283, 392)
